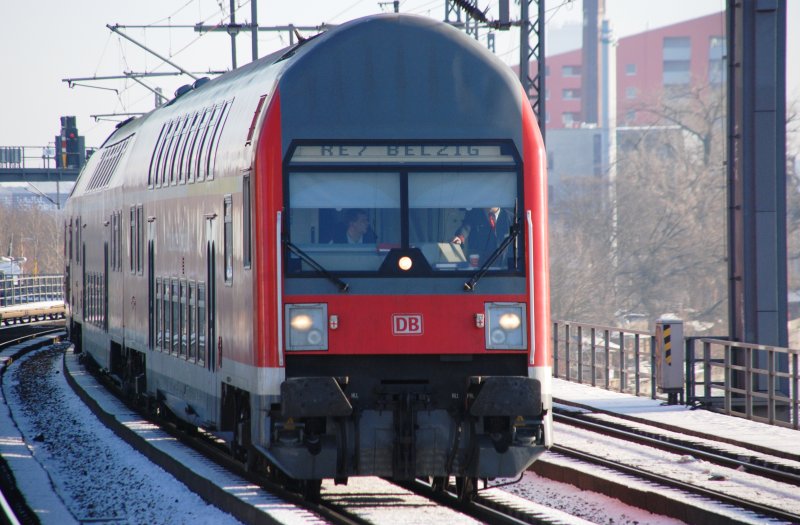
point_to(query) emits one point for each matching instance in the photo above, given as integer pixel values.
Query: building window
(716, 60)
(630, 116)
(630, 92)
(571, 94)
(570, 71)
(547, 93)
(569, 118)
(630, 70)
(677, 60)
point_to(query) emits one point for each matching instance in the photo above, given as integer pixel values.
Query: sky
(45, 41)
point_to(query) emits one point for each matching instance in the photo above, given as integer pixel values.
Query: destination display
(419, 153)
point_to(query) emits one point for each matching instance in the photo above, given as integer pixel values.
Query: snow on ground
(684, 468)
(701, 421)
(98, 476)
(589, 506)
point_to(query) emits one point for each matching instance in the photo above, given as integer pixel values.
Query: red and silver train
(282, 256)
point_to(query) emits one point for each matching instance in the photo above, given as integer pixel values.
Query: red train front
(406, 354)
(339, 253)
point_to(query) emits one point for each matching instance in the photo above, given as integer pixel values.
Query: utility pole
(254, 25)
(534, 86)
(233, 30)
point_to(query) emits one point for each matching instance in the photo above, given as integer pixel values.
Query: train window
(119, 240)
(139, 239)
(176, 317)
(350, 221)
(246, 246)
(78, 239)
(174, 162)
(214, 141)
(228, 239)
(191, 314)
(191, 157)
(344, 221)
(446, 205)
(201, 323)
(166, 316)
(186, 153)
(70, 240)
(163, 153)
(183, 292)
(253, 123)
(157, 314)
(204, 141)
(133, 239)
(152, 173)
(180, 157)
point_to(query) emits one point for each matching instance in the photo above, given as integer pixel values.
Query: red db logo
(407, 324)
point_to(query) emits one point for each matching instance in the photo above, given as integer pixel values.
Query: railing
(752, 381)
(22, 289)
(27, 157)
(607, 357)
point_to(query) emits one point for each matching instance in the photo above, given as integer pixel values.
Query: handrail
(609, 357)
(25, 289)
(757, 382)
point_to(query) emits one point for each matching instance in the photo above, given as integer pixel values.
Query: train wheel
(311, 489)
(240, 446)
(466, 488)
(439, 483)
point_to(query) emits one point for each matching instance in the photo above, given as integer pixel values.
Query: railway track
(686, 447)
(332, 506)
(15, 508)
(487, 507)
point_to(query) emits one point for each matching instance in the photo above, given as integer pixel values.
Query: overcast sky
(45, 41)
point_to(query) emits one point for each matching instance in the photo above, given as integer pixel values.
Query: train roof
(403, 76)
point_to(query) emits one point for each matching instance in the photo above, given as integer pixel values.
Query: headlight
(506, 328)
(306, 327)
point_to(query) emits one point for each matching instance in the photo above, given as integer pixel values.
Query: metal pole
(254, 30)
(173, 64)
(232, 32)
(524, 47)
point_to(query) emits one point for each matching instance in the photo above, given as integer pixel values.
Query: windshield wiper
(513, 231)
(343, 286)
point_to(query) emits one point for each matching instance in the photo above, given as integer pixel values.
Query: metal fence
(752, 381)
(19, 157)
(23, 289)
(603, 356)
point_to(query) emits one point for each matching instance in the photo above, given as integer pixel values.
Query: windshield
(352, 221)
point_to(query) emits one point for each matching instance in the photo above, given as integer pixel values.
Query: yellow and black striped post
(670, 358)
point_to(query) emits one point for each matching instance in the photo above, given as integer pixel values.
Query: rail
(756, 382)
(24, 289)
(603, 356)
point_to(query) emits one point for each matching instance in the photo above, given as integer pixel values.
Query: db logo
(407, 324)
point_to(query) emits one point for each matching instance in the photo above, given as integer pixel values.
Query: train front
(411, 228)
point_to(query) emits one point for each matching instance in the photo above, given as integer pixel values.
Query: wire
(333, 18)
(173, 14)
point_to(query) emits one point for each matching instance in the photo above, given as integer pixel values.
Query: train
(280, 256)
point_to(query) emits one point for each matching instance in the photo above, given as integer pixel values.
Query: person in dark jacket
(482, 231)
(356, 229)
